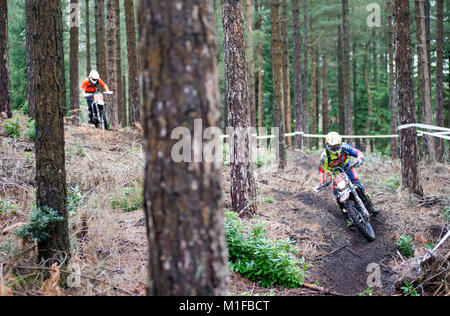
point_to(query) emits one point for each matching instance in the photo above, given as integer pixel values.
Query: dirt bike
(350, 199)
(99, 116)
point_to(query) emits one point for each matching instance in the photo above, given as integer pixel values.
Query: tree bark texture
(88, 37)
(286, 73)
(439, 107)
(29, 31)
(50, 166)
(393, 109)
(424, 79)
(278, 81)
(237, 101)
(298, 84)
(100, 37)
(133, 66)
(409, 150)
(346, 69)
(183, 201)
(5, 82)
(325, 118)
(74, 76)
(112, 73)
(251, 63)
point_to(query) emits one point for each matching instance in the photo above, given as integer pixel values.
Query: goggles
(334, 148)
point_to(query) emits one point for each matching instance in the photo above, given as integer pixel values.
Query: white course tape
(442, 134)
(424, 126)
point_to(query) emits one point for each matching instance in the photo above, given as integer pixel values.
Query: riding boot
(91, 118)
(370, 205)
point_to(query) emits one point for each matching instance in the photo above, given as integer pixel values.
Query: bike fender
(344, 195)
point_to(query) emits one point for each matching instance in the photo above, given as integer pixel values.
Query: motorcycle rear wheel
(364, 226)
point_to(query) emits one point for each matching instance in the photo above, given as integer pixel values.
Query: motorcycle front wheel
(357, 218)
(105, 119)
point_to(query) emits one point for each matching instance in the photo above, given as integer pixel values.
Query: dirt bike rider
(337, 154)
(90, 85)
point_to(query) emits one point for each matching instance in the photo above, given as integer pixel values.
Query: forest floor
(108, 235)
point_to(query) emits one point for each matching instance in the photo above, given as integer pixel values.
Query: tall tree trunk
(278, 81)
(305, 73)
(318, 90)
(286, 73)
(237, 100)
(409, 150)
(424, 79)
(100, 37)
(298, 84)
(122, 111)
(258, 26)
(74, 77)
(313, 82)
(50, 166)
(427, 13)
(369, 95)
(113, 100)
(325, 119)
(394, 119)
(346, 69)
(374, 56)
(5, 82)
(88, 38)
(183, 201)
(341, 104)
(439, 142)
(251, 63)
(355, 94)
(30, 72)
(133, 66)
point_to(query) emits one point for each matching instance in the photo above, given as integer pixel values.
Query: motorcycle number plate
(99, 98)
(344, 195)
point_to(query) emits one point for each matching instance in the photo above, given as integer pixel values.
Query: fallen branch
(81, 275)
(321, 289)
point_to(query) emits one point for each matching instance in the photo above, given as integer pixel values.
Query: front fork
(360, 202)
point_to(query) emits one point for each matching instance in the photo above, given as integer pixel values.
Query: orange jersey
(88, 86)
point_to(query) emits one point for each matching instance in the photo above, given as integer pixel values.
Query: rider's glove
(359, 161)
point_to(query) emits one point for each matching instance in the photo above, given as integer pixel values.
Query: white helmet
(94, 76)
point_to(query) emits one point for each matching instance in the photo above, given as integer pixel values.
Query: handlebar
(91, 94)
(322, 186)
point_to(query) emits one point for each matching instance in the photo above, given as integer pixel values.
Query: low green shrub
(11, 128)
(6, 208)
(392, 184)
(405, 246)
(260, 259)
(409, 290)
(31, 130)
(39, 224)
(129, 199)
(74, 200)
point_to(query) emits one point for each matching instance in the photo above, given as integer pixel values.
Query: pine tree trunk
(374, 56)
(318, 93)
(30, 72)
(341, 104)
(369, 95)
(394, 119)
(325, 119)
(424, 79)
(409, 150)
(237, 100)
(346, 70)
(251, 64)
(50, 166)
(133, 66)
(305, 72)
(278, 81)
(88, 38)
(313, 82)
(74, 77)
(100, 37)
(298, 86)
(286, 73)
(258, 25)
(121, 109)
(112, 73)
(355, 94)
(5, 82)
(439, 142)
(427, 9)
(183, 201)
